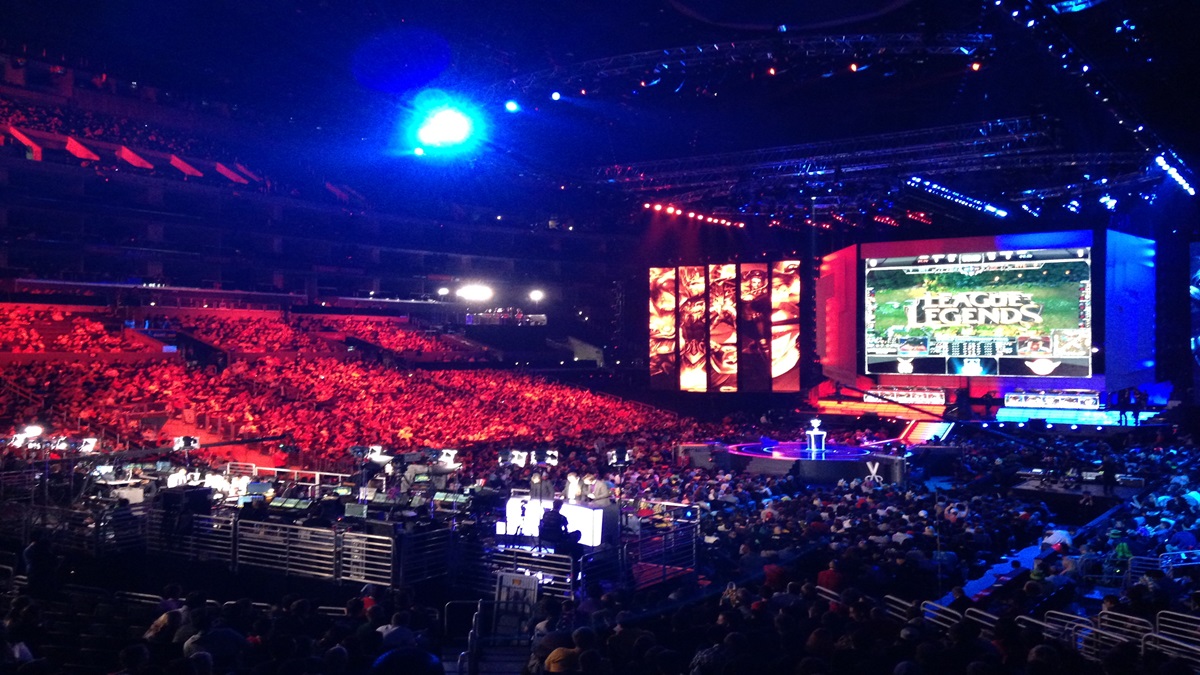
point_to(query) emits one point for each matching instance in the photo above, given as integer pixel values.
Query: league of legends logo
(977, 308)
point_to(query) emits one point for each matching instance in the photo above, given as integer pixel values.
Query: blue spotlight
(555, 96)
(512, 106)
(441, 124)
(445, 127)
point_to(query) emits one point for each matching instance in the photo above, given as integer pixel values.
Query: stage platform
(837, 462)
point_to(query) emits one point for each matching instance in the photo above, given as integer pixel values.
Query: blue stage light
(512, 106)
(445, 127)
(555, 96)
(441, 124)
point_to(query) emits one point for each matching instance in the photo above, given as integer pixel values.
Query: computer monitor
(103, 470)
(162, 466)
(356, 510)
(245, 500)
(304, 503)
(288, 503)
(342, 491)
(258, 488)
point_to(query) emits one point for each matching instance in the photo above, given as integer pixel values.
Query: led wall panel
(663, 360)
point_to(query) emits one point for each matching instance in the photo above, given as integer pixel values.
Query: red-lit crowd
(381, 331)
(257, 335)
(26, 330)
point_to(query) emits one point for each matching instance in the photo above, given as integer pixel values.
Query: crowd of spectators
(259, 335)
(84, 124)
(381, 331)
(25, 330)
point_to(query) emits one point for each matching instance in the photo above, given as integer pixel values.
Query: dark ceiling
(843, 69)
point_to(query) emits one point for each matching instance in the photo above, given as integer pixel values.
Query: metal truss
(908, 151)
(1039, 17)
(753, 51)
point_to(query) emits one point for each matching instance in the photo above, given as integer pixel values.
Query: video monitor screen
(992, 313)
(725, 327)
(356, 510)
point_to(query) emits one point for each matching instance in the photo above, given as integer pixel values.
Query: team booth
(396, 522)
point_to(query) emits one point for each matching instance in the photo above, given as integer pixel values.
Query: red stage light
(658, 207)
(770, 71)
(975, 66)
(854, 67)
(646, 206)
(670, 209)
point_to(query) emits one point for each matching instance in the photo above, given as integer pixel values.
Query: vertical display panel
(1194, 294)
(1017, 313)
(664, 366)
(693, 330)
(722, 328)
(785, 326)
(754, 328)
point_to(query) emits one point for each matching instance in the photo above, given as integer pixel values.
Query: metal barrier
(293, 550)
(1061, 626)
(1178, 626)
(555, 572)
(196, 537)
(939, 615)
(833, 597)
(1030, 622)
(898, 608)
(365, 558)
(661, 556)
(424, 556)
(1131, 627)
(1172, 647)
(1169, 561)
(17, 484)
(1139, 565)
(1094, 644)
(987, 622)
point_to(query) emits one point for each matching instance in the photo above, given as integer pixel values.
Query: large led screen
(664, 368)
(1194, 295)
(725, 327)
(1008, 313)
(693, 330)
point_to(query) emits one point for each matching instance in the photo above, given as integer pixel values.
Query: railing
(987, 622)
(1139, 565)
(659, 556)
(1061, 626)
(1179, 626)
(1188, 652)
(555, 572)
(830, 596)
(196, 537)
(291, 549)
(366, 558)
(1131, 627)
(1094, 644)
(424, 556)
(939, 615)
(898, 608)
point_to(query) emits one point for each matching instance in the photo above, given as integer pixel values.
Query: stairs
(494, 660)
(921, 432)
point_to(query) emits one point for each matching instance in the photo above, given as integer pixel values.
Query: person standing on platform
(540, 489)
(598, 492)
(574, 489)
(1108, 475)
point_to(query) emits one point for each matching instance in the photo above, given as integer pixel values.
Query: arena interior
(650, 337)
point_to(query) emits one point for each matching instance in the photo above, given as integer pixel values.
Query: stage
(836, 462)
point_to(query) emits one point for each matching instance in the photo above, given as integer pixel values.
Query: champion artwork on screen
(725, 327)
(1010, 313)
